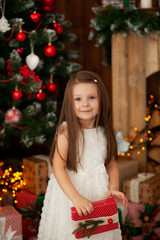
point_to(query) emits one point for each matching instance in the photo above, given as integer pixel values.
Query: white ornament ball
(32, 61)
(13, 116)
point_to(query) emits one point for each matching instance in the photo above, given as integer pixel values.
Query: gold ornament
(146, 219)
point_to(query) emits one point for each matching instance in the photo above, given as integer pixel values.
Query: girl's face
(85, 103)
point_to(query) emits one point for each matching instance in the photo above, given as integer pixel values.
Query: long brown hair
(67, 115)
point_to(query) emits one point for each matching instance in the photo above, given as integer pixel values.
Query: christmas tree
(34, 69)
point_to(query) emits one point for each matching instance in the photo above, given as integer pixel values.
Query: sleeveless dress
(91, 180)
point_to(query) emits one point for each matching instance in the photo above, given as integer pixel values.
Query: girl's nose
(85, 102)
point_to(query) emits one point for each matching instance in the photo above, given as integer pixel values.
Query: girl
(83, 158)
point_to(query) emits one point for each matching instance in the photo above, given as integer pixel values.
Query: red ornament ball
(110, 220)
(17, 94)
(51, 87)
(49, 2)
(55, 25)
(59, 30)
(13, 116)
(50, 50)
(41, 96)
(21, 37)
(35, 17)
(48, 9)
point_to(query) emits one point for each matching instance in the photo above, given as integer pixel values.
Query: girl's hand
(119, 196)
(83, 205)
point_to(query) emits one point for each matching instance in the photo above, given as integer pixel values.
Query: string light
(147, 133)
(151, 97)
(146, 119)
(155, 105)
(10, 181)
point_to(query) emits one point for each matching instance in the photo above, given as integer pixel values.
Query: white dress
(91, 180)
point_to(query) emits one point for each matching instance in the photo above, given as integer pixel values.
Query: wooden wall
(79, 13)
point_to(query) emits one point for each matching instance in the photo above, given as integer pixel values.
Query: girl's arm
(113, 174)
(82, 205)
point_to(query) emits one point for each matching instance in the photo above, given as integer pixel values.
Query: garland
(112, 20)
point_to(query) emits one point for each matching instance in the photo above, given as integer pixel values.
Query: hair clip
(95, 80)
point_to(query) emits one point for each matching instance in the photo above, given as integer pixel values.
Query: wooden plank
(120, 97)
(61, 7)
(92, 60)
(77, 45)
(80, 12)
(158, 51)
(151, 54)
(137, 83)
(129, 88)
(106, 73)
(75, 12)
(137, 91)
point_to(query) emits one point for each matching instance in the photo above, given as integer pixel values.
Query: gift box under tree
(127, 168)
(10, 219)
(144, 188)
(35, 174)
(30, 206)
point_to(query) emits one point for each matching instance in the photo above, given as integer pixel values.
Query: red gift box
(11, 217)
(22, 198)
(104, 211)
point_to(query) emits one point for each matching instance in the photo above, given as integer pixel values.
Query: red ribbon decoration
(19, 127)
(35, 28)
(7, 39)
(7, 80)
(2, 130)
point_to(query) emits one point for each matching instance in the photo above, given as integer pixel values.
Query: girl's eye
(92, 97)
(77, 99)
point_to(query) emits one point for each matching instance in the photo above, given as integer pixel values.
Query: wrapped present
(45, 158)
(8, 235)
(10, 222)
(144, 188)
(7, 199)
(127, 168)
(103, 218)
(25, 197)
(35, 174)
(144, 221)
(30, 206)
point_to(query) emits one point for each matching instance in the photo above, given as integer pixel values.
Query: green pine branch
(88, 224)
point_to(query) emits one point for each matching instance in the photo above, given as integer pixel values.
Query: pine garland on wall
(111, 20)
